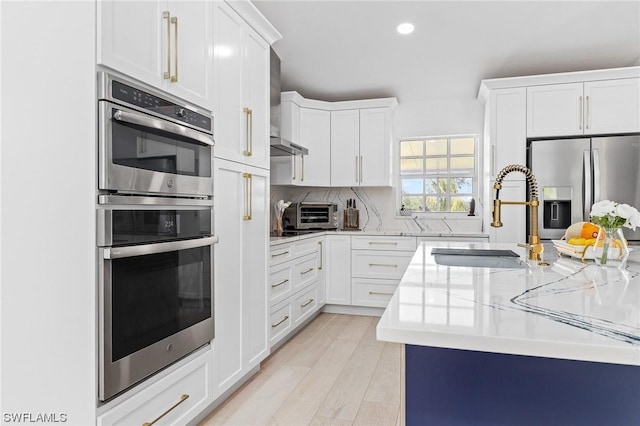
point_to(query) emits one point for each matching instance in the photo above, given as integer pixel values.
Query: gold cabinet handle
(384, 264)
(302, 176)
(249, 137)
(166, 15)
(580, 113)
(356, 168)
(588, 112)
(183, 398)
(286, 317)
(293, 167)
(174, 78)
(380, 293)
(361, 169)
(280, 254)
(280, 283)
(307, 303)
(248, 195)
(391, 243)
(321, 259)
(306, 272)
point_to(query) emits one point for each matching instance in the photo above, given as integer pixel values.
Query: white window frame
(474, 183)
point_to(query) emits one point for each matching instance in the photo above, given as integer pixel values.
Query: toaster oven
(311, 215)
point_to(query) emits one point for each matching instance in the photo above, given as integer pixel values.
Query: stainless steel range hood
(279, 146)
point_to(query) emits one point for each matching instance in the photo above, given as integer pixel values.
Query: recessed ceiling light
(405, 28)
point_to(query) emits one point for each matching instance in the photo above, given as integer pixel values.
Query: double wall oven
(154, 231)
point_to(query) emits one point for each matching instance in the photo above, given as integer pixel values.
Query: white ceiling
(341, 50)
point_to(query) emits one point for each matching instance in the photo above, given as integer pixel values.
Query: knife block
(351, 220)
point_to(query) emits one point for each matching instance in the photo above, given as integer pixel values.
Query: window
(438, 174)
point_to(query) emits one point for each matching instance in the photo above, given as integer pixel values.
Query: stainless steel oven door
(155, 307)
(143, 154)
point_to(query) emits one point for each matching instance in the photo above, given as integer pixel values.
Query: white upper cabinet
(310, 128)
(315, 135)
(241, 74)
(612, 106)
(345, 148)
(589, 108)
(375, 147)
(361, 147)
(166, 44)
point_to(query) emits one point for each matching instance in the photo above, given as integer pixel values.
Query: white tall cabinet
(47, 223)
(166, 44)
(241, 190)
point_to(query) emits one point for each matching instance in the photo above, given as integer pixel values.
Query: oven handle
(166, 126)
(132, 251)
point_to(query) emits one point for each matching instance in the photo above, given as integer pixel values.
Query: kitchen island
(531, 345)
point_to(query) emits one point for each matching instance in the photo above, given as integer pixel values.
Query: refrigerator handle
(586, 186)
(596, 175)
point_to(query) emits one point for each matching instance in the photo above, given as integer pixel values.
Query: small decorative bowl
(406, 212)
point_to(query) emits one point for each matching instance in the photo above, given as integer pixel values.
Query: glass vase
(611, 248)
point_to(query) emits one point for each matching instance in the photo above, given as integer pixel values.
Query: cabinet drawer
(383, 243)
(305, 271)
(379, 264)
(306, 246)
(280, 283)
(372, 292)
(280, 253)
(280, 323)
(305, 304)
(185, 393)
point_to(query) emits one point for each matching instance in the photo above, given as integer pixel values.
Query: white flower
(603, 208)
(625, 211)
(634, 220)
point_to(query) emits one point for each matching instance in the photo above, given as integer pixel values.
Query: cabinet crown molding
(299, 100)
(256, 20)
(558, 78)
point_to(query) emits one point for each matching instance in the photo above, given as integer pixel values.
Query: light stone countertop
(568, 310)
(288, 239)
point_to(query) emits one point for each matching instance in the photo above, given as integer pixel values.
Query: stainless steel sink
(477, 258)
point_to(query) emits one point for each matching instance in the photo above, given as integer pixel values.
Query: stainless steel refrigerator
(572, 174)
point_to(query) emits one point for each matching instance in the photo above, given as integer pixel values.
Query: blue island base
(460, 387)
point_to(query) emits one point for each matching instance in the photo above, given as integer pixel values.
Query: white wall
(440, 117)
(47, 196)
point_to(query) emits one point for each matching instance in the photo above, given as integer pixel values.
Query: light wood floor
(334, 372)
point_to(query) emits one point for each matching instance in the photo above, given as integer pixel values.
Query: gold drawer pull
(306, 272)
(280, 322)
(307, 303)
(392, 243)
(279, 254)
(280, 283)
(183, 398)
(383, 264)
(380, 293)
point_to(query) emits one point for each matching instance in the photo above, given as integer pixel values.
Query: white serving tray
(567, 249)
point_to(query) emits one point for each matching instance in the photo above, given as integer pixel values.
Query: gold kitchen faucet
(534, 245)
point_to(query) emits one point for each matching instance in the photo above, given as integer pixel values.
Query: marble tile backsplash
(378, 212)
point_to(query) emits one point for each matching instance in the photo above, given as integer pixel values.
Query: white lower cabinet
(377, 265)
(176, 399)
(374, 292)
(296, 285)
(338, 269)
